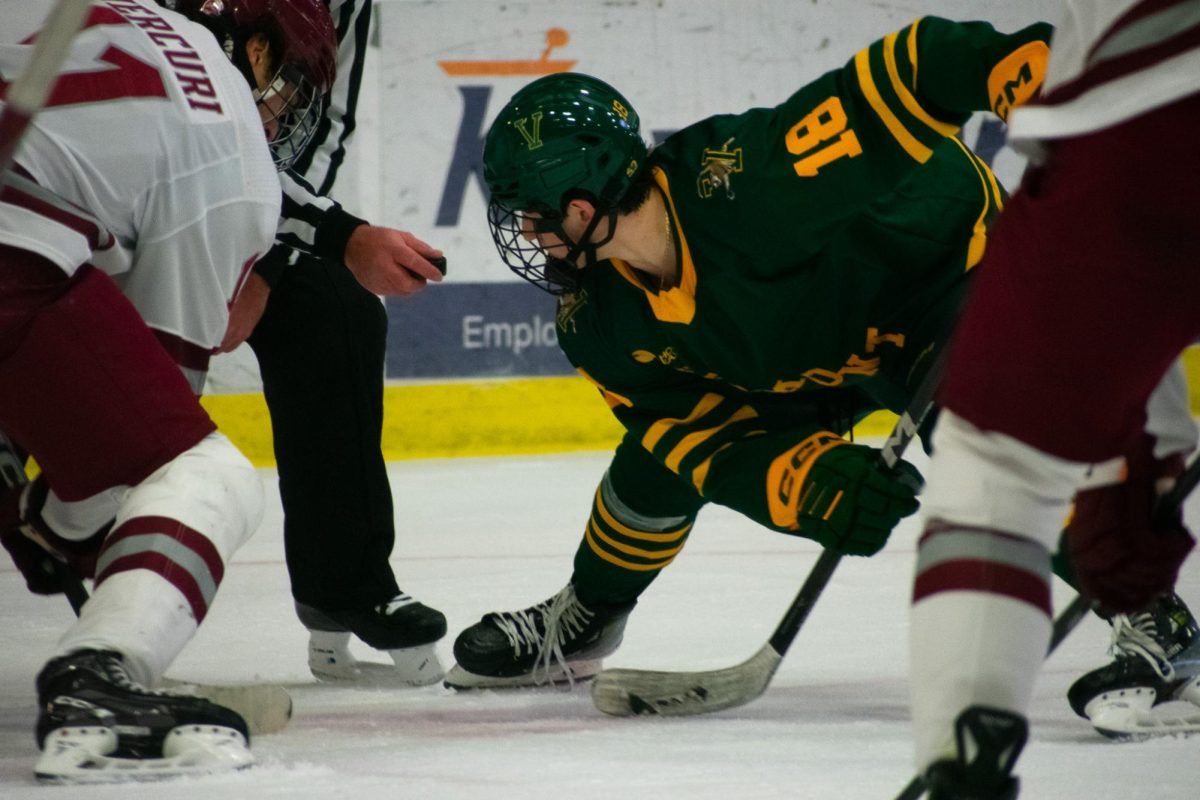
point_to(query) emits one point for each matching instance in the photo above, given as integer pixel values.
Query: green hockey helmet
(562, 137)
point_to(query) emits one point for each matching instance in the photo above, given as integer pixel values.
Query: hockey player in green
(741, 296)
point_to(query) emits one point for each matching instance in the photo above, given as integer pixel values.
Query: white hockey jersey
(149, 162)
(1110, 61)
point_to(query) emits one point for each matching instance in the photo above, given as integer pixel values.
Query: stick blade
(638, 692)
(266, 707)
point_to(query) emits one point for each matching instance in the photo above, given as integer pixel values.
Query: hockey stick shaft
(29, 92)
(902, 434)
(1079, 607)
(624, 692)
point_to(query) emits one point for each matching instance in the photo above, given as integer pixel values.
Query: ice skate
(559, 640)
(989, 741)
(406, 629)
(1152, 686)
(97, 726)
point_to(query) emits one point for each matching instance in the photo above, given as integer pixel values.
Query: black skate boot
(402, 626)
(97, 725)
(1157, 660)
(558, 640)
(994, 738)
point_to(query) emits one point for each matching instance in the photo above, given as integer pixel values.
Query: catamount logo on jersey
(716, 165)
(568, 306)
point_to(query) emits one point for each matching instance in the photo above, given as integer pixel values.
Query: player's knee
(988, 480)
(211, 488)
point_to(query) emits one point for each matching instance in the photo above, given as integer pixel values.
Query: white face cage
(290, 107)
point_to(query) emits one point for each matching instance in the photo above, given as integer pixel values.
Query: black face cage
(296, 109)
(525, 257)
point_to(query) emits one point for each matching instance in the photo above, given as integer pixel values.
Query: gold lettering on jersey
(855, 365)
(821, 137)
(533, 140)
(874, 338)
(1018, 77)
(716, 165)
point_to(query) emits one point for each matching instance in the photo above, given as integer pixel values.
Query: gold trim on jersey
(987, 179)
(700, 473)
(912, 50)
(659, 429)
(906, 97)
(862, 66)
(677, 304)
(612, 398)
(693, 440)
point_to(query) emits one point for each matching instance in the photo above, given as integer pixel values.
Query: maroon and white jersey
(149, 162)
(1110, 61)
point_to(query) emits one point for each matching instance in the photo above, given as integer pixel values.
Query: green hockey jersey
(822, 246)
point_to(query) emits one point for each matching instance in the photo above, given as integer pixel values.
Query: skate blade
(581, 672)
(411, 667)
(80, 756)
(1129, 723)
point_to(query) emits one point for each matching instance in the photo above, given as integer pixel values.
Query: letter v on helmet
(532, 140)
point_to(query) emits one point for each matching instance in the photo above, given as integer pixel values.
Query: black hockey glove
(42, 574)
(850, 503)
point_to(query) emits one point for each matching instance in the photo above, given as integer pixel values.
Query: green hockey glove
(841, 494)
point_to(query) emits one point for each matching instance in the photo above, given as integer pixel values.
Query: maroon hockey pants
(84, 384)
(1089, 290)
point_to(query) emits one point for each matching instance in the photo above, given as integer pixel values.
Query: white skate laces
(1137, 634)
(563, 618)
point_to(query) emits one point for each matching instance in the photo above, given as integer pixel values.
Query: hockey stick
(29, 92)
(1079, 607)
(628, 692)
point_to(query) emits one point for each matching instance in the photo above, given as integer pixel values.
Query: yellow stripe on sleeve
(912, 51)
(979, 235)
(693, 440)
(700, 473)
(862, 66)
(659, 429)
(906, 97)
(612, 398)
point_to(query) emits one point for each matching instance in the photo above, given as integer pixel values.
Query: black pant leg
(320, 347)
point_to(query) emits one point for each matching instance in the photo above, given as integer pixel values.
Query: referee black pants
(320, 347)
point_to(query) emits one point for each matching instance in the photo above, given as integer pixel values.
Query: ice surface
(476, 535)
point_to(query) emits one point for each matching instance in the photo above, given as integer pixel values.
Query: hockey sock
(981, 621)
(623, 551)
